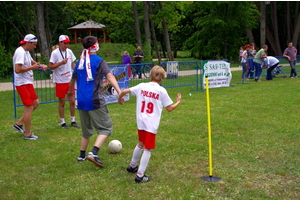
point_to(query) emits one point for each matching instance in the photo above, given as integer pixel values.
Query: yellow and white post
(209, 178)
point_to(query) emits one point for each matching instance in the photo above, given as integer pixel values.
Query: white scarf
(86, 55)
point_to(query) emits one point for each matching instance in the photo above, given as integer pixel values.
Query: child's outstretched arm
(120, 99)
(173, 106)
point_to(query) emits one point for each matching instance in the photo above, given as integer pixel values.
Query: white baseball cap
(64, 38)
(28, 38)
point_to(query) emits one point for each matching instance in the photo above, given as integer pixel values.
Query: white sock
(136, 155)
(144, 162)
(62, 120)
(72, 118)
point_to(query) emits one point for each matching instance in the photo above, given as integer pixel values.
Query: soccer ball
(115, 146)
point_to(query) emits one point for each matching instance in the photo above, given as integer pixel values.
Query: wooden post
(75, 37)
(104, 36)
(90, 32)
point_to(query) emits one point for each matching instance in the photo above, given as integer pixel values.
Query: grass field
(255, 149)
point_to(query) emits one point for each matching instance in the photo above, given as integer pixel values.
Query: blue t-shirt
(90, 93)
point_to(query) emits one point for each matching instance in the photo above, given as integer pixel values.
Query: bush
(6, 63)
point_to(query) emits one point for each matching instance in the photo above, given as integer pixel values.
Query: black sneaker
(142, 179)
(64, 125)
(81, 159)
(95, 159)
(132, 169)
(19, 128)
(32, 137)
(74, 124)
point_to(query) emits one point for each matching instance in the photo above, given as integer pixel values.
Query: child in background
(150, 98)
(126, 61)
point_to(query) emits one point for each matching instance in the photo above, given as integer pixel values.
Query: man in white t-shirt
(23, 65)
(62, 63)
(150, 100)
(271, 63)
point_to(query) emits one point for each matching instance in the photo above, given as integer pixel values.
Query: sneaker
(142, 179)
(258, 80)
(19, 128)
(132, 169)
(65, 126)
(74, 124)
(95, 159)
(81, 159)
(32, 137)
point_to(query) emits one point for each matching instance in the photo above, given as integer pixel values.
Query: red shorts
(61, 89)
(27, 94)
(147, 138)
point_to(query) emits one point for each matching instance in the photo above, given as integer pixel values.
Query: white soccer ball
(115, 146)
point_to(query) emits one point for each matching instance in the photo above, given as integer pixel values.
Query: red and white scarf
(86, 56)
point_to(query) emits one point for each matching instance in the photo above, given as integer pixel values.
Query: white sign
(218, 73)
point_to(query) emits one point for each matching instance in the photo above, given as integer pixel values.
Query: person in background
(61, 63)
(126, 61)
(258, 59)
(245, 62)
(23, 65)
(271, 63)
(290, 53)
(251, 54)
(241, 56)
(138, 56)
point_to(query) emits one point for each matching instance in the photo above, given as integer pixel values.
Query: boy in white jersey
(61, 63)
(150, 98)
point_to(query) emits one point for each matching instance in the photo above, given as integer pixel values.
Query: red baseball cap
(28, 38)
(64, 38)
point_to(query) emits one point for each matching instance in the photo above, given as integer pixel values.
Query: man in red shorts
(23, 79)
(62, 63)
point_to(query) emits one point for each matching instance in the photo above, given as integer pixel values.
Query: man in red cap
(23, 65)
(62, 63)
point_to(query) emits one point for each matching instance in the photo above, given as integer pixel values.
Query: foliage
(219, 23)
(6, 63)
(255, 149)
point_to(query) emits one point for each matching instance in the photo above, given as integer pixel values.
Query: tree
(137, 24)
(153, 33)
(166, 35)
(45, 50)
(147, 29)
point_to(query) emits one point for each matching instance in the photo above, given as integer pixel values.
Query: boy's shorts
(147, 138)
(98, 119)
(27, 94)
(61, 89)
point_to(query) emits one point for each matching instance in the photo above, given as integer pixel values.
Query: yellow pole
(209, 127)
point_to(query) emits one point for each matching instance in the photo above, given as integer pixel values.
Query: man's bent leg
(27, 119)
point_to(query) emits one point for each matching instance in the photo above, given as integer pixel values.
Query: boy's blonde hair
(126, 53)
(157, 74)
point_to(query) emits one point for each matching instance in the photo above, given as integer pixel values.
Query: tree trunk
(153, 34)
(28, 28)
(166, 35)
(275, 28)
(162, 46)
(296, 32)
(41, 30)
(288, 21)
(137, 24)
(147, 28)
(250, 36)
(262, 20)
(271, 41)
(296, 13)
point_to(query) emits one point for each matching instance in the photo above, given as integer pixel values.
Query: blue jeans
(269, 72)
(258, 69)
(293, 68)
(245, 71)
(251, 64)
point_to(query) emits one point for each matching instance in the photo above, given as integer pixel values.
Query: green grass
(255, 149)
